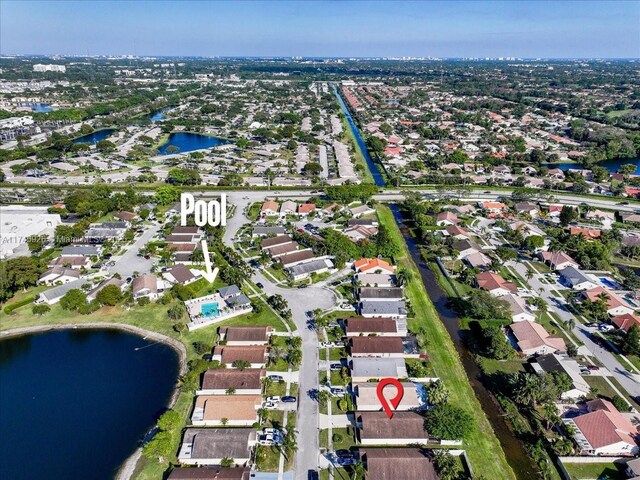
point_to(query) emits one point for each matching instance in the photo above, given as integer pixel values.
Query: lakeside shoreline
(127, 468)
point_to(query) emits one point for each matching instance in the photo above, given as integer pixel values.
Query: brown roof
(125, 215)
(67, 260)
(146, 281)
(492, 281)
(231, 353)
(182, 247)
(225, 378)
(397, 464)
(532, 335)
(283, 249)
(179, 238)
(296, 257)
(209, 473)
(604, 425)
(231, 407)
(380, 325)
(376, 425)
(245, 334)
(181, 273)
(376, 345)
(184, 230)
(273, 241)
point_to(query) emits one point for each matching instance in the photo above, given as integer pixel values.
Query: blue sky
(323, 28)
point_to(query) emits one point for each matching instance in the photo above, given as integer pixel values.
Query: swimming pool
(209, 310)
(608, 283)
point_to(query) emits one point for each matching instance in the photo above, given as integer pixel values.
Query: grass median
(482, 445)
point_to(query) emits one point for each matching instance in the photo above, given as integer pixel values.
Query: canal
(517, 457)
(374, 168)
(513, 448)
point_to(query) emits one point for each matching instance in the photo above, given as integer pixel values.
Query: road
(551, 294)
(301, 301)
(130, 262)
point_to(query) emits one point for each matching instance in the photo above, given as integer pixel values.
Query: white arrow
(211, 272)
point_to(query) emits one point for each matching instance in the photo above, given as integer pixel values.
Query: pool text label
(213, 212)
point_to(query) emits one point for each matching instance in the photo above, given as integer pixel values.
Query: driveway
(130, 262)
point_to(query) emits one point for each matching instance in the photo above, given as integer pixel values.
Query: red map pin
(395, 401)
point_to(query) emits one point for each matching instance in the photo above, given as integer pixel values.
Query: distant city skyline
(523, 29)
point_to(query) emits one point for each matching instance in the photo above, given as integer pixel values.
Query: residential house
(376, 347)
(444, 219)
(269, 208)
(361, 210)
(295, 258)
(626, 321)
(532, 339)
(259, 231)
(366, 397)
(603, 430)
(614, 303)
(280, 250)
(373, 265)
(365, 369)
(145, 286)
(210, 473)
(457, 232)
(380, 294)
(75, 262)
(495, 284)
(81, 250)
(387, 308)
(577, 279)
(245, 335)
(125, 216)
(209, 446)
(54, 295)
(492, 207)
(588, 233)
(527, 208)
(362, 222)
(223, 410)
(384, 327)
(558, 260)
(465, 248)
(181, 274)
(58, 275)
(478, 260)
(552, 362)
(605, 218)
(397, 464)
(218, 381)
(520, 311)
(306, 208)
(633, 469)
(376, 279)
(288, 207)
(300, 271)
(256, 355)
(275, 241)
(360, 232)
(526, 229)
(404, 428)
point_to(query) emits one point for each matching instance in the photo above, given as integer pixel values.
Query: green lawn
(482, 446)
(592, 471)
(267, 458)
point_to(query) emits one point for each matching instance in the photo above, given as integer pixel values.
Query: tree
(631, 343)
(109, 295)
(169, 421)
(176, 311)
(166, 195)
(160, 446)
(73, 299)
(533, 242)
(241, 364)
(323, 398)
(568, 214)
(437, 393)
(496, 344)
(105, 146)
(289, 443)
(446, 465)
(572, 350)
(620, 403)
(183, 176)
(40, 309)
(36, 243)
(627, 169)
(448, 422)
(227, 462)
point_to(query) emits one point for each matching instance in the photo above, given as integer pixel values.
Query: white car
(274, 399)
(266, 440)
(338, 391)
(270, 405)
(605, 327)
(325, 344)
(339, 343)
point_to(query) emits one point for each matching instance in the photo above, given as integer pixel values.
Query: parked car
(343, 453)
(260, 285)
(339, 343)
(333, 324)
(335, 366)
(325, 344)
(605, 327)
(270, 405)
(276, 378)
(338, 391)
(288, 399)
(346, 306)
(304, 285)
(274, 399)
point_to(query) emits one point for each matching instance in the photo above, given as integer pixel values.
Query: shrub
(12, 306)
(142, 301)
(40, 309)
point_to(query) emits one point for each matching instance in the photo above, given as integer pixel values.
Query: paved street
(300, 302)
(130, 262)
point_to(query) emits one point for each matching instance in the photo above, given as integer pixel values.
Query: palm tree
(358, 471)
(570, 323)
(530, 274)
(198, 256)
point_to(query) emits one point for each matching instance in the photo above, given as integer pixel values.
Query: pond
(39, 107)
(188, 142)
(95, 137)
(79, 400)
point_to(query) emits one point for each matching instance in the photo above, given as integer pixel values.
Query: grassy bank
(482, 446)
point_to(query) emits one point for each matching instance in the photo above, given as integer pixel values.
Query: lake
(39, 107)
(75, 403)
(611, 165)
(188, 142)
(95, 137)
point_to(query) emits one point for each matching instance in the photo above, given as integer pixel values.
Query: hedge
(12, 306)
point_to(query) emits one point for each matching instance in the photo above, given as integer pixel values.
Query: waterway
(188, 142)
(374, 168)
(95, 137)
(76, 403)
(513, 448)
